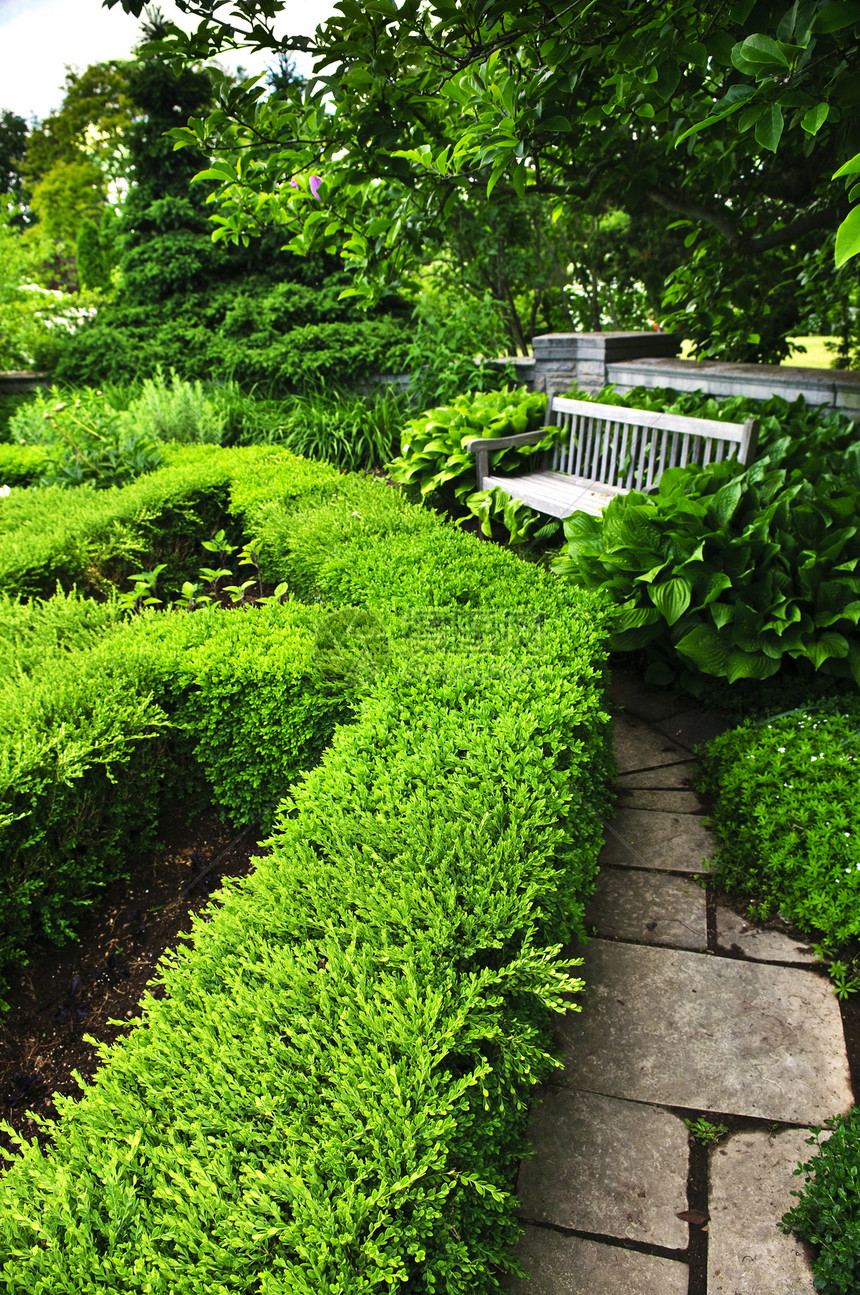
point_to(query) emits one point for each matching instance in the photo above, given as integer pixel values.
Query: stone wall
(838, 388)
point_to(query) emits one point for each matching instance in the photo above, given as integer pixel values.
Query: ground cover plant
(827, 1213)
(788, 825)
(364, 1019)
(787, 819)
(731, 572)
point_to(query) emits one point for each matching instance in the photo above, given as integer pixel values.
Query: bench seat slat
(556, 493)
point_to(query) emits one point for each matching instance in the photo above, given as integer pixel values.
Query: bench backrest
(630, 449)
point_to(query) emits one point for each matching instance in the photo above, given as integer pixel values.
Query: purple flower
(315, 182)
(294, 184)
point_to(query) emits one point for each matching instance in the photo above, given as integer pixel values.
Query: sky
(39, 38)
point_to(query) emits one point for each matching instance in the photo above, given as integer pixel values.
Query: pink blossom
(315, 182)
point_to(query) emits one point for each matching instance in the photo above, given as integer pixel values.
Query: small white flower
(781, 750)
(5, 490)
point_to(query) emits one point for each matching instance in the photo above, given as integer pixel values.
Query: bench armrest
(507, 442)
(482, 446)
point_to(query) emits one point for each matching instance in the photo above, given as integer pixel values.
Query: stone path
(688, 1011)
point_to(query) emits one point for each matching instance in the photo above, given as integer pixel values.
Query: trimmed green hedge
(227, 706)
(21, 465)
(95, 539)
(332, 1093)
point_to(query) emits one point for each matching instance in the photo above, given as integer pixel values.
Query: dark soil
(93, 986)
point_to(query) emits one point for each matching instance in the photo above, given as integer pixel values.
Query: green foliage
(706, 1133)
(454, 342)
(173, 410)
(235, 695)
(32, 631)
(205, 334)
(521, 522)
(353, 432)
(431, 449)
(827, 1213)
(787, 818)
(664, 114)
(22, 465)
(93, 266)
(94, 539)
(730, 572)
(363, 1020)
(84, 439)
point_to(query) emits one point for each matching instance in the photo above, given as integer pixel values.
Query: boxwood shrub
(330, 1094)
(228, 707)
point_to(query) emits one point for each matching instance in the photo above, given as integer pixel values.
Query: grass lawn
(816, 355)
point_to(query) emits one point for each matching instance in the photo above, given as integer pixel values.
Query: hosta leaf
(746, 628)
(672, 598)
(717, 582)
(725, 501)
(651, 575)
(750, 665)
(822, 649)
(706, 649)
(722, 613)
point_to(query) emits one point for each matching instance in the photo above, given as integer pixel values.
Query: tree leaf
(813, 120)
(848, 237)
(851, 167)
(760, 53)
(769, 126)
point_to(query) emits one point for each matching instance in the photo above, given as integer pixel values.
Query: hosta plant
(432, 453)
(728, 572)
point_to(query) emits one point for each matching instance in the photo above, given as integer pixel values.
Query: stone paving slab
(601, 1165)
(561, 1265)
(752, 1176)
(650, 704)
(736, 934)
(679, 802)
(639, 747)
(667, 776)
(694, 728)
(653, 838)
(649, 907)
(707, 1033)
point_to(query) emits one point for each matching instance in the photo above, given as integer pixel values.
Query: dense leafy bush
(235, 702)
(85, 439)
(827, 1214)
(454, 343)
(431, 451)
(22, 465)
(174, 410)
(333, 1092)
(32, 631)
(787, 816)
(731, 572)
(94, 539)
(735, 574)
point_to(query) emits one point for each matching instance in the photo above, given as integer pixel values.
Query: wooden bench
(607, 450)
